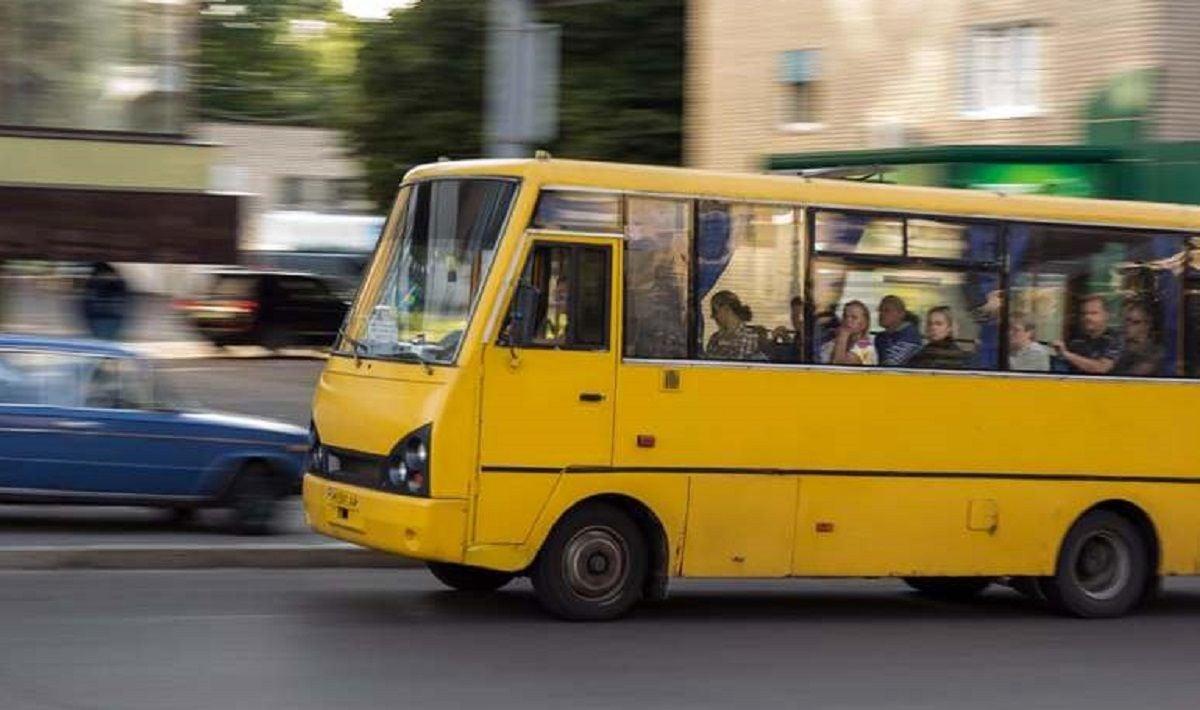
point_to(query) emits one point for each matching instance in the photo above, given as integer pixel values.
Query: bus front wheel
(957, 589)
(593, 566)
(469, 579)
(1103, 568)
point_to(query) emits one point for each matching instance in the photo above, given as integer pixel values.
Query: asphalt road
(394, 639)
(279, 388)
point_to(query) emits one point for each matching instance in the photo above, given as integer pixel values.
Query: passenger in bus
(900, 340)
(1025, 353)
(1140, 355)
(942, 351)
(1097, 348)
(734, 339)
(787, 345)
(851, 344)
(554, 325)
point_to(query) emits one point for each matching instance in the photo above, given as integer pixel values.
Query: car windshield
(416, 299)
(63, 379)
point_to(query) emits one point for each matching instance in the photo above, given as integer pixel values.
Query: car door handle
(591, 397)
(77, 424)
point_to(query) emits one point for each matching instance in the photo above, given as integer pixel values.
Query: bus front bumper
(421, 528)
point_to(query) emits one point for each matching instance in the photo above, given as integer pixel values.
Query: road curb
(261, 556)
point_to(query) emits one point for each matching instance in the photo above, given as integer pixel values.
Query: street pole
(507, 19)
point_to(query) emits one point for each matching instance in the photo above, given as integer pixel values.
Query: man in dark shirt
(1097, 349)
(900, 339)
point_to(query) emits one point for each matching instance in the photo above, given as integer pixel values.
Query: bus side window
(571, 288)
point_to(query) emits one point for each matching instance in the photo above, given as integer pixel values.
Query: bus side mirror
(522, 325)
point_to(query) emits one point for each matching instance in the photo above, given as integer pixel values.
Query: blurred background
(162, 137)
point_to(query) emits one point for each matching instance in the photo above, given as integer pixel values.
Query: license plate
(341, 498)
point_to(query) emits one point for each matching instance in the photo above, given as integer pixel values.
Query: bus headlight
(407, 469)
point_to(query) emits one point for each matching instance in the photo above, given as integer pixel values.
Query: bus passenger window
(905, 316)
(657, 255)
(748, 283)
(1105, 302)
(570, 284)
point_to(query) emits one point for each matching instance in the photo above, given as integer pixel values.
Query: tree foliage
(275, 61)
(421, 75)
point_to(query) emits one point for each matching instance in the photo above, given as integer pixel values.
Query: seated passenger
(1140, 356)
(787, 343)
(899, 341)
(941, 352)
(734, 340)
(1025, 353)
(553, 329)
(1096, 351)
(851, 344)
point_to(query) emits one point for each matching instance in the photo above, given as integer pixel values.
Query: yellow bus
(604, 376)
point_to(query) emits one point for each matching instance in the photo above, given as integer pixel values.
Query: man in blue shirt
(900, 339)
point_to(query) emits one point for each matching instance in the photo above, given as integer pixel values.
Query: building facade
(97, 158)
(1067, 96)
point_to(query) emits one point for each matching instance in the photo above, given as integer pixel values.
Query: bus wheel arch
(1137, 515)
(653, 532)
(1107, 562)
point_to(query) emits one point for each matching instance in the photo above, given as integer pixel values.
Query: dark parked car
(269, 308)
(84, 422)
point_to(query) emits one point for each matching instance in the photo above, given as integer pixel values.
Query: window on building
(103, 65)
(1093, 301)
(748, 284)
(657, 267)
(1003, 70)
(798, 76)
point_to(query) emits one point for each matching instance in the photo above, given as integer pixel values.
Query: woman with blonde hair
(851, 344)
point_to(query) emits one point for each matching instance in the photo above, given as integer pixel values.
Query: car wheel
(954, 589)
(254, 500)
(465, 578)
(1103, 568)
(180, 515)
(593, 565)
(274, 339)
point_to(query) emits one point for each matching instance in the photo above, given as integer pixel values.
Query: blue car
(83, 422)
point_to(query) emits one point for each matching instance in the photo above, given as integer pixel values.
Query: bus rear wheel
(469, 579)
(1103, 568)
(952, 589)
(593, 565)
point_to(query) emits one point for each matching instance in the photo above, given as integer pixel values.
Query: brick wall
(886, 63)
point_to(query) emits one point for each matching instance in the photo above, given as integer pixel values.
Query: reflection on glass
(947, 240)
(903, 303)
(753, 252)
(656, 278)
(581, 211)
(842, 233)
(1107, 302)
(431, 264)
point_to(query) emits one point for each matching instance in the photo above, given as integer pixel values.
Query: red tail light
(183, 304)
(244, 306)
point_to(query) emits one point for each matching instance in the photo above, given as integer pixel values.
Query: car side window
(118, 383)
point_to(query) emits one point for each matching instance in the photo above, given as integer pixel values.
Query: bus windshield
(432, 259)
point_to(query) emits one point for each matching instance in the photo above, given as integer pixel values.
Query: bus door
(549, 383)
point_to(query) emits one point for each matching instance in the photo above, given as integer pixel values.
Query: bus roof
(759, 187)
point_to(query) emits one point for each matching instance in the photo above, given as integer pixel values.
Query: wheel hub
(597, 563)
(1103, 565)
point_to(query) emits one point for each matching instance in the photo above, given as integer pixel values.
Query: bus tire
(951, 589)
(465, 578)
(593, 566)
(1103, 568)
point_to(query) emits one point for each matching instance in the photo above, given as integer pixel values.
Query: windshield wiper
(357, 347)
(414, 349)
